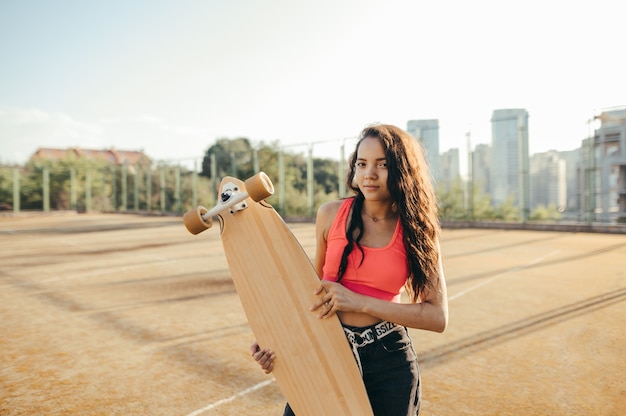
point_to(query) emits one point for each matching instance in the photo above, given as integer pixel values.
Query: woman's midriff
(357, 318)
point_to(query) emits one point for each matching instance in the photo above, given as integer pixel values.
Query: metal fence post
(46, 190)
(114, 188)
(281, 184)
(341, 173)
(310, 182)
(162, 188)
(124, 187)
(16, 190)
(194, 183)
(136, 190)
(213, 175)
(255, 161)
(233, 164)
(88, 190)
(73, 193)
(177, 191)
(149, 189)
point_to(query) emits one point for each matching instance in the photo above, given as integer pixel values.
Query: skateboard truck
(232, 198)
(232, 191)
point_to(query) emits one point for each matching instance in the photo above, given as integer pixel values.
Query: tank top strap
(338, 227)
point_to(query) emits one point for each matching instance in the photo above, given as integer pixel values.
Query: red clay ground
(123, 314)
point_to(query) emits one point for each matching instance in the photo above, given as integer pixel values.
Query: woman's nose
(370, 172)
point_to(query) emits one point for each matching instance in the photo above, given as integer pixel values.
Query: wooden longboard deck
(275, 280)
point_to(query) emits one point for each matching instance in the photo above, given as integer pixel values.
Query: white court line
(498, 276)
(231, 398)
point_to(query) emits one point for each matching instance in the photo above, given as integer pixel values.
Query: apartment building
(427, 132)
(548, 180)
(604, 169)
(509, 158)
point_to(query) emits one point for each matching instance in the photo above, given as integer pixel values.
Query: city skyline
(171, 78)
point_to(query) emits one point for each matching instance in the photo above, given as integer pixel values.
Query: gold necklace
(380, 219)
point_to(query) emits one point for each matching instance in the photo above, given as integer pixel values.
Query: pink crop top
(384, 270)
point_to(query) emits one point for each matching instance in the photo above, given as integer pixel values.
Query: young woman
(369, 248)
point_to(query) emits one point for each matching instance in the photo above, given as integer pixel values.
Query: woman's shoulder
(327, 213)
(330, 208)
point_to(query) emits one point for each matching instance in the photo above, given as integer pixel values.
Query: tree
(508, 211)
(236, 157)
(451, 201)
(482, 208)
(325, 173)
(60, 173)
(232, 157)
(6, 187)
(543, 213)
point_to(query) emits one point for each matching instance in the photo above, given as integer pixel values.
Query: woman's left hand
(334, 297)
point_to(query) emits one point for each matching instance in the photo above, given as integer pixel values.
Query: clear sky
(169, 77)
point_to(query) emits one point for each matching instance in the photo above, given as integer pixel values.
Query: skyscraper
(449, 167)
(572, 160)
(608, 185)
(509, 144)
(549, 180)
(481, 168)
(427, 132)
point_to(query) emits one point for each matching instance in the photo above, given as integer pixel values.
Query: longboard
(275, 280)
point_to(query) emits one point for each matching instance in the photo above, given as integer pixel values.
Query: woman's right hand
(265, 357)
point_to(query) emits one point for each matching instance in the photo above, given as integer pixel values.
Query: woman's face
(371, 170)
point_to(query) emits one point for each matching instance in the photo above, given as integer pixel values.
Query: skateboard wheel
(194, 222)
(259, 187)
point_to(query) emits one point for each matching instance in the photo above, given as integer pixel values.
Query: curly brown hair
(411, 188)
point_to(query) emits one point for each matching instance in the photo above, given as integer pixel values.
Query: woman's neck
(379, 211)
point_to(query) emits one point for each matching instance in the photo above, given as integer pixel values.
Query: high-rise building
(606, 168)
(481, 169)
(585, 178)
(427, 132)
(572, 159)
(548, 180)
(450, 166)
(509, 167)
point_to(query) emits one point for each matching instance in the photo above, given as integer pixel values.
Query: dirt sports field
(131, 315)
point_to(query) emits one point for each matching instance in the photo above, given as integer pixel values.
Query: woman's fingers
(329, 301)
(265, 357)
(267, 361)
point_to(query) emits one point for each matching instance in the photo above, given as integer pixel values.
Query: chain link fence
(172, 187)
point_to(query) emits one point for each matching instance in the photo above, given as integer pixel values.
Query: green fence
(161, 188)
(87, 186)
